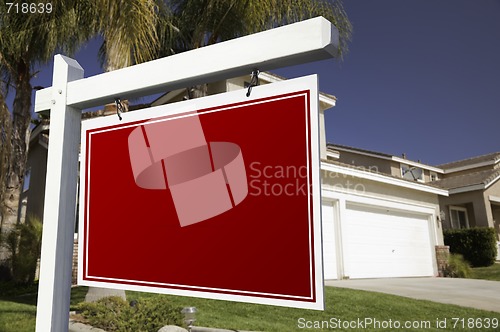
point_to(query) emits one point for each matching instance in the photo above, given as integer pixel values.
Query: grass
(341, 304)
(489, 273)
(17, 313)
(18, 307)
(17, 316)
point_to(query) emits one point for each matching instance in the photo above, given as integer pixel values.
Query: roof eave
(377, 177)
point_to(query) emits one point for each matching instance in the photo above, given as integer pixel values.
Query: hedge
(478, 246)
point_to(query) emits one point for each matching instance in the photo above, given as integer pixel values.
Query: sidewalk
(473, 293)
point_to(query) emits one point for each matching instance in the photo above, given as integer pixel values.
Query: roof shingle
(494, 157)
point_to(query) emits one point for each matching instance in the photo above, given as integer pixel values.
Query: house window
(412, 173)
(458, 217)
(434, 176)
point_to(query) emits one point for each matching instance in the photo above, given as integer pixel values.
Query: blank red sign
(216, 197)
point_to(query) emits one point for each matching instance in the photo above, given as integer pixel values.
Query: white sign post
(311, 40)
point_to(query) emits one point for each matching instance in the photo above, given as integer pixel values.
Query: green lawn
(341, 304)
(488, 273)
(17, 313)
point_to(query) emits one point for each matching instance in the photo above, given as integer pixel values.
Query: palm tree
(207, 22)
(128, 29)
(5, 153)
(25, 41)
(133, 31)
(202, 23)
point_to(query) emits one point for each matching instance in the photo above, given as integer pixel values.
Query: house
(381, 217)
(377, 222)
(474, 192)
(36, 170)
(473, 184)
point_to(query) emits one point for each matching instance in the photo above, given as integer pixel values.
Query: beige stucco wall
(494, 190)
(480, 216)
(370, 163)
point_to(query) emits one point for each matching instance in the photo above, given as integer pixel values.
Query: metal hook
(119, 108)
(254, 81)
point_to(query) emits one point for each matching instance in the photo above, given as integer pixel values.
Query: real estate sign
(217, 197)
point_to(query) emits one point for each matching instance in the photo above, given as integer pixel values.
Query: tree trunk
(5, 153)
(19, 142)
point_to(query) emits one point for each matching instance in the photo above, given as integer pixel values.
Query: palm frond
(209, 21)
(129, 32)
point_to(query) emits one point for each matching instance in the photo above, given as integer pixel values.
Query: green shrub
(477, 245)
(457, 267)
(147, 314)
(24, 244)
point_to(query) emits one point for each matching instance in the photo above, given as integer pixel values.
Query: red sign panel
(217, 197)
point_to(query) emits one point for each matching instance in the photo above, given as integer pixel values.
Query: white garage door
(381, 243)
(329, 252)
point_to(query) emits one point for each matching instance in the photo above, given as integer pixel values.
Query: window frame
(433, 174)
(460, 209)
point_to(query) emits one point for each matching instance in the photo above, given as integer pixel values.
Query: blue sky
(421, 78)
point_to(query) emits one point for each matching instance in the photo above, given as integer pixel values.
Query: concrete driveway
(480, 294)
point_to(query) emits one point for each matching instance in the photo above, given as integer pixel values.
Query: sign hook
(254, 81)
(119, 108)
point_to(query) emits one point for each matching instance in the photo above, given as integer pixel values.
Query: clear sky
(422, 77)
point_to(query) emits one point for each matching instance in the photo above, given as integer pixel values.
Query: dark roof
(470, 179)
(494, 157)
(337, 146)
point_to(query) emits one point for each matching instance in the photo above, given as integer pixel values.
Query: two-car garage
(367, 240)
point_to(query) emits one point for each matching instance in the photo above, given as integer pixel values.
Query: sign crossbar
(311, 40)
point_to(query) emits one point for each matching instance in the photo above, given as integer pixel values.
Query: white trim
(390, 158)
(466, 189)
(305, 41)
(327, 100)
(270, 78)
(333, 154)
(382, 202)
(491, 182)
(38, 130)
(458, 208)
(382, 178)
(361, 152)
(324, 98)
(494, 199)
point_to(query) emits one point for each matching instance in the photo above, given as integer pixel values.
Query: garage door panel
(385, 243)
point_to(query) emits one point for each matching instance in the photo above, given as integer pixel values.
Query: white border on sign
(177, 110)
